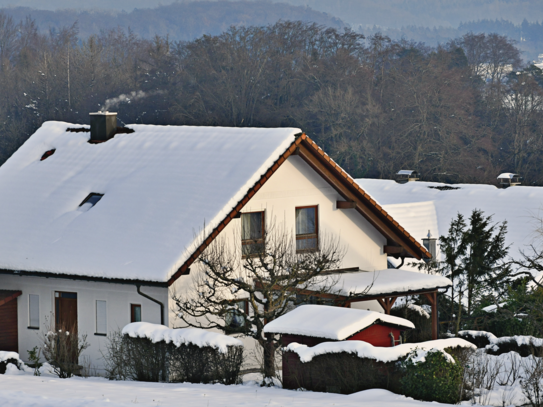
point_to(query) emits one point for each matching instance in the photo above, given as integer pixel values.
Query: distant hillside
(179, 21)
(529, 36)
(426, 13)
(384, 13)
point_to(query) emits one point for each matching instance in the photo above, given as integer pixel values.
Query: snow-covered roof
(337, 323)
(422, 206)
(181, 336)
(507, 175)
(405, 172)
(381, 282)
(161, 186)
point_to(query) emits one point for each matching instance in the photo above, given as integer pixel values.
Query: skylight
(91, 200)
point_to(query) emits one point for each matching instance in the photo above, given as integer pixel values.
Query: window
(91, 200)
(135, 313)
(101, 318)
(235, 317)
(307, 229)
(252, 233)
(34, 311)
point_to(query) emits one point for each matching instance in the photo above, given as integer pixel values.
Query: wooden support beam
(432, 298)
(387, 303)
(393, 249)
(345, 205)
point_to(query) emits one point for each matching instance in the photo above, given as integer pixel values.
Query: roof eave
(46, 274)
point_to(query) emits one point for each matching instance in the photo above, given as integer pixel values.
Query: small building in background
(509, 179)
(404, 176)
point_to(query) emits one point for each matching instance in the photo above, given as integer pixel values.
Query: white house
(96, 230)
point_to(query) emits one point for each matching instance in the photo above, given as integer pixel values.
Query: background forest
(455, 112)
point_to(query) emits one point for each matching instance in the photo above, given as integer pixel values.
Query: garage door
(8, 320)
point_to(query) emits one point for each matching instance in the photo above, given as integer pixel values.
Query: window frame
(96, 319)
(246, 242)
(133, 312)
(306, 236)
(30, 326)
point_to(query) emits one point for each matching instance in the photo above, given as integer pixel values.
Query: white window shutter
(34, 310)
(101, 317)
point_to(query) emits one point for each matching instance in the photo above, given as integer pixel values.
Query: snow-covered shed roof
(161, 185)
(337, 323)
(162, 194)
(422, 206)
(382, 282)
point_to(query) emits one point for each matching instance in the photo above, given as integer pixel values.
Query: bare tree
(272, 276)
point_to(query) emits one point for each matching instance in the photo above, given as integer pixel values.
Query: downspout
(154, 300)
(401, 264)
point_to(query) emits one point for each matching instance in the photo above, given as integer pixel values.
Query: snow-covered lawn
(47, 391)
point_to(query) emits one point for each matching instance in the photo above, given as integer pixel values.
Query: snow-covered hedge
(182, 336)
(149, 352)
(523, 345)
(352, 366)
(379, 354)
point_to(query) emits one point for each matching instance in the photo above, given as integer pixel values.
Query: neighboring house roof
(337, 323)
(507, 175)
(161, 185)
(422, 206)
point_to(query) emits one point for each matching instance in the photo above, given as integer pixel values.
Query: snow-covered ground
(46, 391)
(500, 386)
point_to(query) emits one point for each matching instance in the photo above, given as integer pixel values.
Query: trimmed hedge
(142, 360)
(434, 379)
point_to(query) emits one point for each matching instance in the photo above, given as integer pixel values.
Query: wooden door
(9, 339)
(66, 311)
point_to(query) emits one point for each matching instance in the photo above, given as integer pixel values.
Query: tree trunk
(269, 357)
(459, 316)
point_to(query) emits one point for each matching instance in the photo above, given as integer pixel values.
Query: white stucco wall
(118, 298)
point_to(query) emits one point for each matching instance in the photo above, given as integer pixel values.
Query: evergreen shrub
(434, 379)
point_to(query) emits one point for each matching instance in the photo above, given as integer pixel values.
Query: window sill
(307, 251)
(33, 327)
(96, 334)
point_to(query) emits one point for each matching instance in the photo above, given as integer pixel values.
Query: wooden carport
(384, 286)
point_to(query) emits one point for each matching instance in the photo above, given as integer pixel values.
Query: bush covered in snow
(434, 378)
(6, 358)
(149, 352)
(523, 345)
